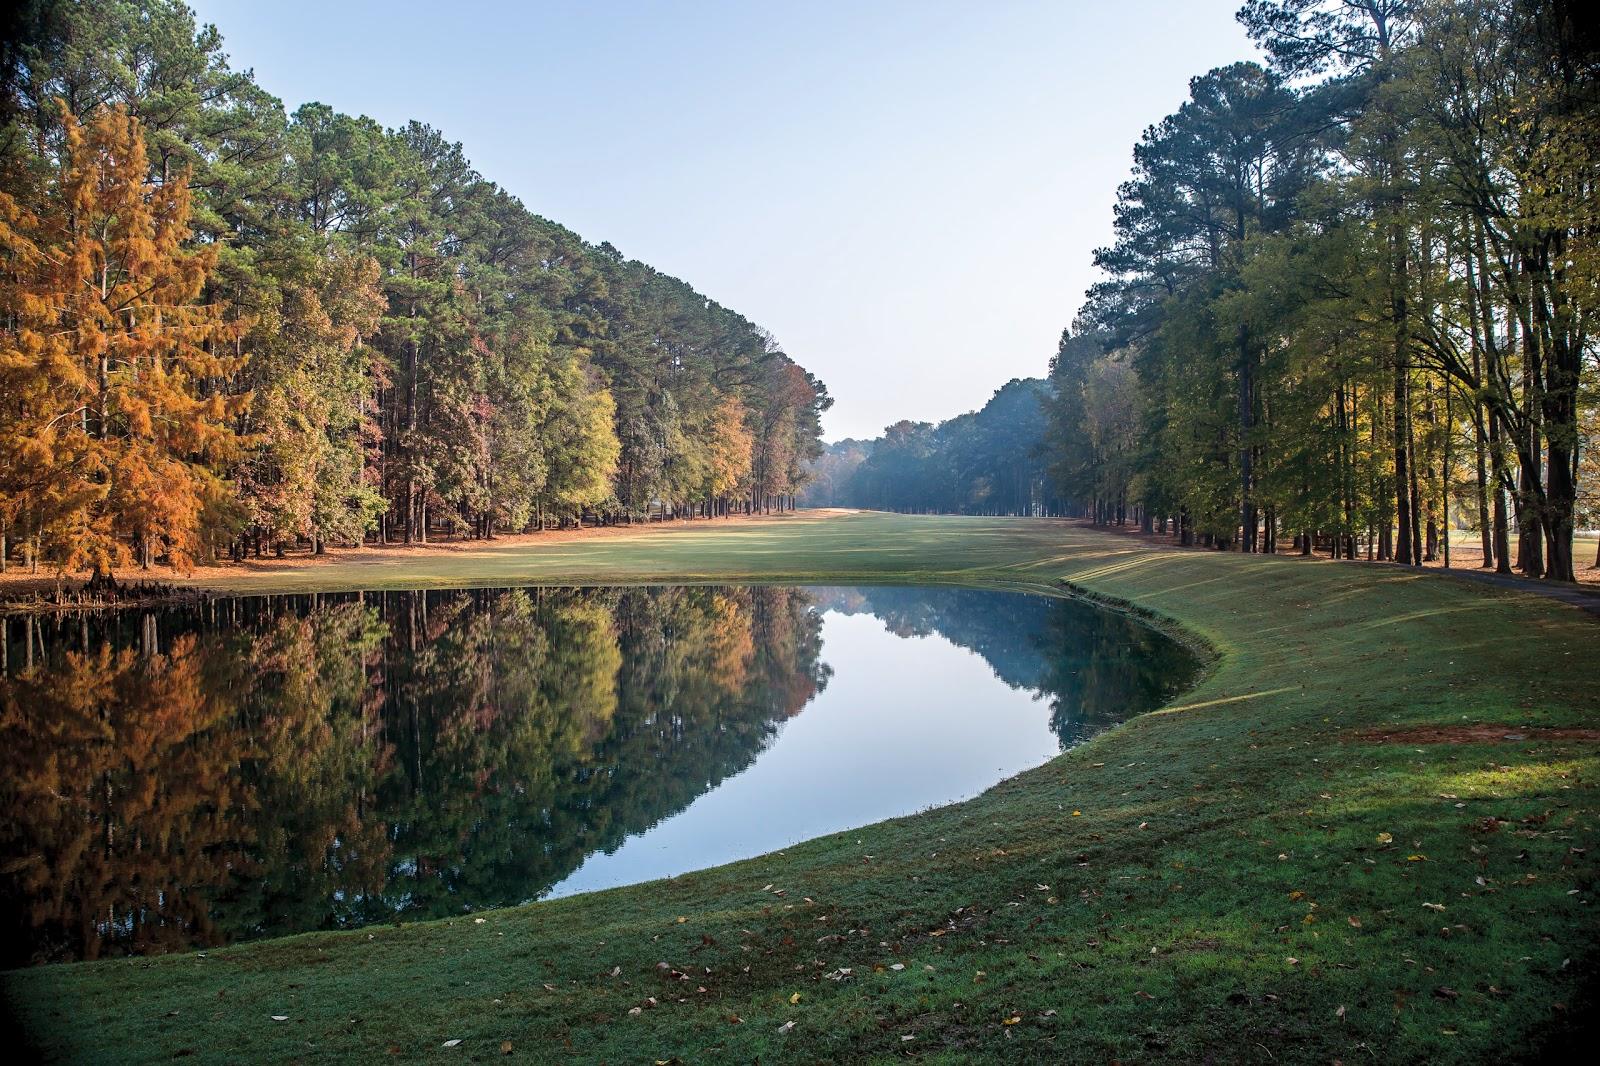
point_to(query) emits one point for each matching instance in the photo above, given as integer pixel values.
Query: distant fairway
(801, 547)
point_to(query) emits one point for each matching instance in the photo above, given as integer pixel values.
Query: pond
(258, 766)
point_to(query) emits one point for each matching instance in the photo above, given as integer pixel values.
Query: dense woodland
(227, 329)
(1352, 297)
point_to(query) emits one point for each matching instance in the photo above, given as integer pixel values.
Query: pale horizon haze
(907, 195)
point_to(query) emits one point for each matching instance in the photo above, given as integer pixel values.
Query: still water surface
(261, 766)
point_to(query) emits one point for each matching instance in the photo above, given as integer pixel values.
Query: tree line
(226, 328)
(1351, 296)
(985, 462)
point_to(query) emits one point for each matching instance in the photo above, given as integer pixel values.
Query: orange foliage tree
(114, 397)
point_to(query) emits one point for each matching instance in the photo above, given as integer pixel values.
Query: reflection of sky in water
(904, 724)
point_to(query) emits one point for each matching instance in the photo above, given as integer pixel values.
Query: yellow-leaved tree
(114, 379)
(731, 446)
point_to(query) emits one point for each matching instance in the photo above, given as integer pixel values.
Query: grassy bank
(1329, 850)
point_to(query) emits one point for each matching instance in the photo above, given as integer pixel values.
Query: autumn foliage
(112, 433)
(229, 329)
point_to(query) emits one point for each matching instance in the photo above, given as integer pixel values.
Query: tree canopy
(1351, 295)
(230, 327)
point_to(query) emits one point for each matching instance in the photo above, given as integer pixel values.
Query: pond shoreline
(26, 591)
(536, 715)
(1232, 870)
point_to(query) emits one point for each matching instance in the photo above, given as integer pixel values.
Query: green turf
(1242, 876)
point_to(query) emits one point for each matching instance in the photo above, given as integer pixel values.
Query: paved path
(1580, 596)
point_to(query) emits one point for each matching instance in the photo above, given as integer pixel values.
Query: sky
(907, 195)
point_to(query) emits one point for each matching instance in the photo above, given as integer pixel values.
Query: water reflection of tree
(264, 766)
(1095, 667)
(122, 808)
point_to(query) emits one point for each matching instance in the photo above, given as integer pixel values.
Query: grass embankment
(1269, 868)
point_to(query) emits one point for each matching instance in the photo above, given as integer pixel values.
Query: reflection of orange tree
(306, 762)
(121, 798)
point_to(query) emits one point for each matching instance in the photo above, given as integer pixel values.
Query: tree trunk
(1403, 493)
(1247, 505)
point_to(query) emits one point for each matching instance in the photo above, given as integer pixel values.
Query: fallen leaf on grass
(280, 1017)
(1013, 1020)
(450, 1043)
(794, 999)
(785, 1027)
(1434, 906)
(1355, 923)
(1385, 838)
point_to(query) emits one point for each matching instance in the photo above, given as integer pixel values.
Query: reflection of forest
(1095, 667)
(257, 767)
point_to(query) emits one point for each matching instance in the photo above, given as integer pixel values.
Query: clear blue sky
(906, 194)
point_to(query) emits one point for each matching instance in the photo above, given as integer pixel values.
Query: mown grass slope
(1269, 869)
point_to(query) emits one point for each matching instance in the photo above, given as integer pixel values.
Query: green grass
(1185, 888)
